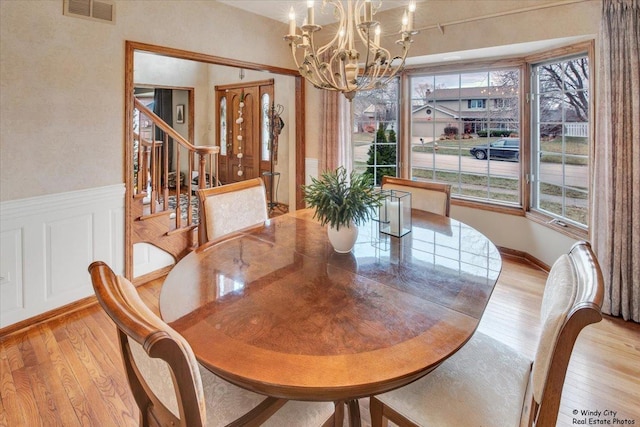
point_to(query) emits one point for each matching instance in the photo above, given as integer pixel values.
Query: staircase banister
(145, 142)
(203, 150)
(200, 149)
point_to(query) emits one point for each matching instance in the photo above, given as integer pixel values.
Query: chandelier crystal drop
(353, 60)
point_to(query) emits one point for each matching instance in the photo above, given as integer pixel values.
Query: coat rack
(275, 124)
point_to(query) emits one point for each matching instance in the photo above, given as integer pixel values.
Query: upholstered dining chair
(427, 196)
(167, 383)
(487, 383)
(231, 207)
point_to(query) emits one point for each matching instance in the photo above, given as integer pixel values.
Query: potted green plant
(343, 201)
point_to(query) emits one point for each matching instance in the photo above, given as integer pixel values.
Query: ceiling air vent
(97, 10)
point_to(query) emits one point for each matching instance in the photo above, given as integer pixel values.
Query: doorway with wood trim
(239, 128)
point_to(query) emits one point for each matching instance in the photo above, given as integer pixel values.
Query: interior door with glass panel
(240, 117)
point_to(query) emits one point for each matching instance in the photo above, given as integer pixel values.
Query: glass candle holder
(394, 215)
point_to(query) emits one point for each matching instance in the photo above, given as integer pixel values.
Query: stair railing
(154, 180)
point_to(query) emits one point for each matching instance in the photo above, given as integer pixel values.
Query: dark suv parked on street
(505, 148)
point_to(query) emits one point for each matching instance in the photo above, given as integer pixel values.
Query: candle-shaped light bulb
(376, 38)
(310, 12)
(368, 12)
(292, 22)
(405, 22)
(412, 9)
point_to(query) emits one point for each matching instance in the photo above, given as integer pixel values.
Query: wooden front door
(240, 140)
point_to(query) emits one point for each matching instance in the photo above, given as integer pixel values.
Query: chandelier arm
(313, 60)
(293, 53)
(338, 71)
(341, 23)
(343, 74)
(368, 79)
(368, 47)
(395, 71)
(329, 75)
(365, 36)
(323, 79)
(316, 76)
(337, 65)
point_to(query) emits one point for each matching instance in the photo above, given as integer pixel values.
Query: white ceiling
(512, 50)
(279, 10)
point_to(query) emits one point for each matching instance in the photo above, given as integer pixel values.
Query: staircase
(164, 211)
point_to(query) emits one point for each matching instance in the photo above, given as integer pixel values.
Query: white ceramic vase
(344, 239)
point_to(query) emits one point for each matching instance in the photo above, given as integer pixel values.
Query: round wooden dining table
(274, 309)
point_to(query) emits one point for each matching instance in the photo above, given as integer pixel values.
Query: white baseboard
(48, 242)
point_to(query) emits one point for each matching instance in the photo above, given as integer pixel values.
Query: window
(500, 103)
(265, 134)
(223, 126)
(560, 139)
(476, 103)
(466, 128)
(463, 147)
(375, 133)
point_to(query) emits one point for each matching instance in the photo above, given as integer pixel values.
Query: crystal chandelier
(339, 65)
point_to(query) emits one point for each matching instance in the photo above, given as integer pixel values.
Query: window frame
(399, 137)
(524, 63)
(470, 67)
(551, 221)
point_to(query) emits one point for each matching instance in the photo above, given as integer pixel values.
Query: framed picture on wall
(180, 113)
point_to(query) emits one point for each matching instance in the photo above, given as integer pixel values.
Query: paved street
(550, 172)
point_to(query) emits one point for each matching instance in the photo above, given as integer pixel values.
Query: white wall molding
(49, 241)
(61, 201)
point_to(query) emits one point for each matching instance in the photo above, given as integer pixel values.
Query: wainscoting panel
(74, 233)
(47, 244)
(11, 286)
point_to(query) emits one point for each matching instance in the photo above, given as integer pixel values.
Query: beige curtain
(335, 147)
(615, 207)
(329, 147)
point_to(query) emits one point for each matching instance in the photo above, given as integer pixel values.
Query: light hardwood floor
(67, 371)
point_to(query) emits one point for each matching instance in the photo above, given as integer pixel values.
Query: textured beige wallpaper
(62, 82)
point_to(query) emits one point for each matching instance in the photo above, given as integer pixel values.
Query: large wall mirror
(193, 85)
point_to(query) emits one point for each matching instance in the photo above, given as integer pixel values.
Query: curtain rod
(440, 26)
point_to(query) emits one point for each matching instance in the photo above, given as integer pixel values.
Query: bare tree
(384, 100)
(566, 83)
(422, 93)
